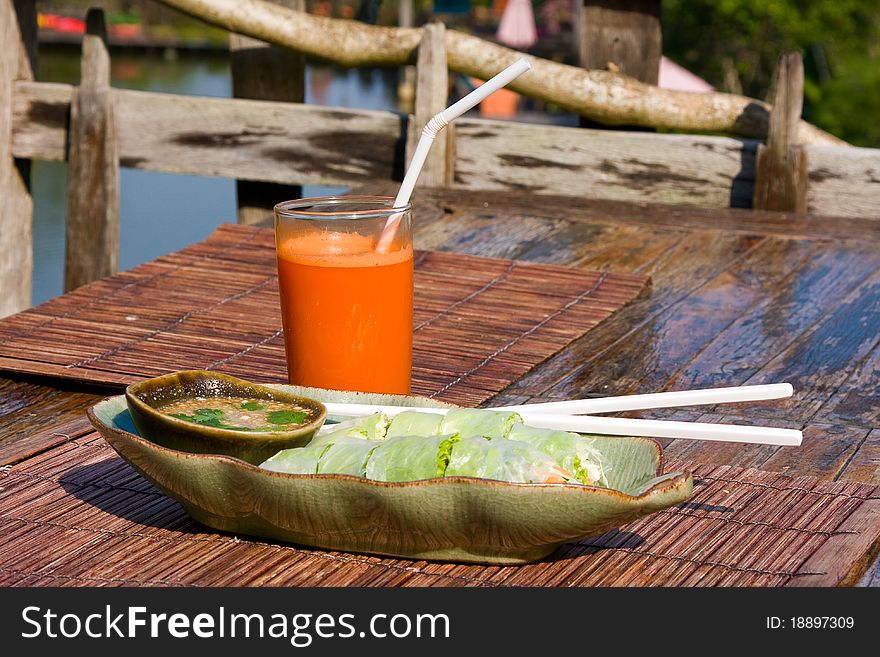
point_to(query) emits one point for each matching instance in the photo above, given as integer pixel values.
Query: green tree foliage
(734, 44)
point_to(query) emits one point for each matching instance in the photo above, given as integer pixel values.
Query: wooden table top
(738, 297)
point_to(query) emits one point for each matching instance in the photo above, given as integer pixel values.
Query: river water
(160, 212)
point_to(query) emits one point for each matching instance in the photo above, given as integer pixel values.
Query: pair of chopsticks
(567, 415)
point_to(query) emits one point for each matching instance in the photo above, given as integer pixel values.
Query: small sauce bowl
(145, 398)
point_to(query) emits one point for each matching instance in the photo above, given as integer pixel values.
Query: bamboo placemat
(480, 323)
(77, 515)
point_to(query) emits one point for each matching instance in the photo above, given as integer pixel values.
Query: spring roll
(370, 427)
(333, 453)
(414, 423)
(409, 458)
(297, 460)
(504, 460)
(479, 422)
(571, 451)
(347, 456)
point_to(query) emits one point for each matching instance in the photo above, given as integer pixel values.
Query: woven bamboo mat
(480, 323)
(78, 515)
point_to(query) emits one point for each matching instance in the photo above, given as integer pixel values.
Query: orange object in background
(346, 308)
(500, 105)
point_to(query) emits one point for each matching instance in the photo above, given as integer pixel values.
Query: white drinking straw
(659, 400)
(434, 126)
(615, 426)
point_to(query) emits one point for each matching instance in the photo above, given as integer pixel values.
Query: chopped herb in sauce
(239, 414)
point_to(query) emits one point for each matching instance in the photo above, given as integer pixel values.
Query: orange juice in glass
(346, 302)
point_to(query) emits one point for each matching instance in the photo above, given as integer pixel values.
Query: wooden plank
(781, 171)
(257, 140)
(650, 356)
(432, 92)
(712, 172)
(264, 72)
(738, 352)
(844, 557)
(843, 181)
(858, 399)
(234, 138)
(822, 358)
(509, 204)
(92, 244)
(628, 166)
(624, 34)
(587, 367)
(865, 463)
(41, 115)
(871, 577)
(484, 234)
(826, 450)
(17, 23)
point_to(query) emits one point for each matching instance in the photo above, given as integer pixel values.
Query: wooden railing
(98, 129)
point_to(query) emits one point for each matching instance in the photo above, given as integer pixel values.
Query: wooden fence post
(432, 92)
(18, 21)
(781, 165)
(621, 35)
(93, 176)
(264, 72)
(406, 88)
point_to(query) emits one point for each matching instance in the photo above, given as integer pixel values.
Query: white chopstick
(659, 400)
(615, 426)
(619, 426)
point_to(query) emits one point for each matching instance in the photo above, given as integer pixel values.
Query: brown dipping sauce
(240, 413)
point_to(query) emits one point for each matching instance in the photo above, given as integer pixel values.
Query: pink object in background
(673, 76)
(517, 26)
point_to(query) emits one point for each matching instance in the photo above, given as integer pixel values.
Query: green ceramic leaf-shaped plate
(451, 519)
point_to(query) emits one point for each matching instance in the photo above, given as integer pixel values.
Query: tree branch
(610, 98)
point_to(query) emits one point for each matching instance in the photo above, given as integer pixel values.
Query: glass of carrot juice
(345, 271)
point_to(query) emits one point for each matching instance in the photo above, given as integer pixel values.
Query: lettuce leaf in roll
(479, 422)
(370, 427)
(571, 451)
(409, 458)
(297, 460)
(347, 456)
(333, 453)
(414, 423)
(504, 460)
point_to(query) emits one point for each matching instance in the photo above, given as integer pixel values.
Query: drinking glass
(346, 299)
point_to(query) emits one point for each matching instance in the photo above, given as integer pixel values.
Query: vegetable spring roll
(571, 451)
(504, 460)
(414, 423)
(479, 422)
(409, 458)
(297, 460)
(333, 453)
(371, 427)
(347, 456)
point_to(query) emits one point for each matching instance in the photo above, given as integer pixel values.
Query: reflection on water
(165, 212)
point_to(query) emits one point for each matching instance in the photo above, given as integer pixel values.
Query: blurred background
(728, 45)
